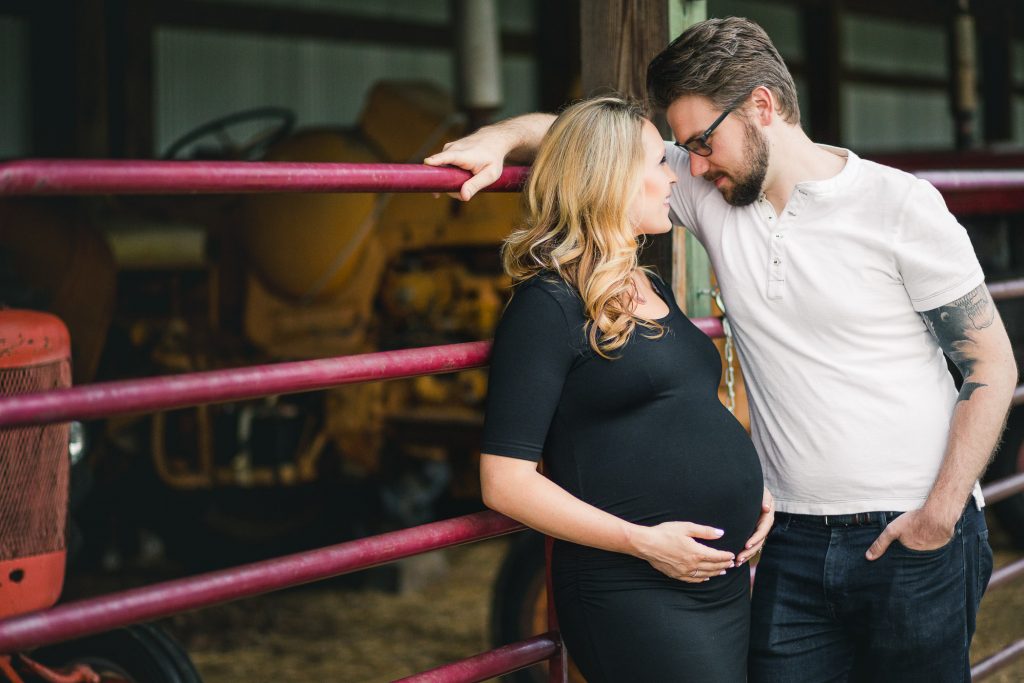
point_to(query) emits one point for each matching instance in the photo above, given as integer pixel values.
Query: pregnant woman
(652, 487)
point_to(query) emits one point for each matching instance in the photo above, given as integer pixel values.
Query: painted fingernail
(718, 531)
(721, 573)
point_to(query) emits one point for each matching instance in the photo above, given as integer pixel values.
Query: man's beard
(747, 189)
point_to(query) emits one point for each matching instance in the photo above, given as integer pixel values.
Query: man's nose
(698, 165)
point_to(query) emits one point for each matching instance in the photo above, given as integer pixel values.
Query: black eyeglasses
(698, 144)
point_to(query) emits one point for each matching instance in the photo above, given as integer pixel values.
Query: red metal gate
(970, 192)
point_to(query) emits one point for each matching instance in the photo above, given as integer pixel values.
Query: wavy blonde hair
(587, 173)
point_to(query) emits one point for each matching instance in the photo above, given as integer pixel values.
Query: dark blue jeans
(822, 612)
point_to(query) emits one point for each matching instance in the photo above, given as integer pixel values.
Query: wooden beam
(52, 78)
(995, 25)
(558, 51)
(130, 35)
(333, 26)
(821, 38)
(617, 40)
(91, 120)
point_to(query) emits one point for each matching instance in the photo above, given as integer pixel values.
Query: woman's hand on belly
(672, 549)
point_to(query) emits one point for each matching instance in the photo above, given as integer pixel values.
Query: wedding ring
(694, 573)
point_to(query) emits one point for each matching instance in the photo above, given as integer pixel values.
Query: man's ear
(764, 111)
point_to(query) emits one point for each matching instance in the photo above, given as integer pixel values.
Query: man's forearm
(524, 134)
(971, 333)
(974, 433)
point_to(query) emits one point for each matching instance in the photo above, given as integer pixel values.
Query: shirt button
(776, 261)
(778, 236)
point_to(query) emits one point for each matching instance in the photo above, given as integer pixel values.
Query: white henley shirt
(850, 396)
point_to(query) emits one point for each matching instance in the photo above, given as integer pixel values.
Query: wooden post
(617, 40)
(995, 37)
(821, 38)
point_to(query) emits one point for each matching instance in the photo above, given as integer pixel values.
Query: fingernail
(719, 532)
(733, 563)
(721, 573)
(748, 545)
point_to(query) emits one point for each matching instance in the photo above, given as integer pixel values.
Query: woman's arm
(514, 487)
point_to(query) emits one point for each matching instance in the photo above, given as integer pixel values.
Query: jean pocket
(913, 552)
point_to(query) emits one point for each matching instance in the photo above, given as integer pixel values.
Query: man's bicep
(965, 329)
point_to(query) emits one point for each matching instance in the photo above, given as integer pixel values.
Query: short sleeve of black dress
(532, 355)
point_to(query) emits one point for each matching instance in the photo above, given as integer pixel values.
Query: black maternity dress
(643, 437)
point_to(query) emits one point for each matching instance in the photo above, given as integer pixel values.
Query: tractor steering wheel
(281, 123)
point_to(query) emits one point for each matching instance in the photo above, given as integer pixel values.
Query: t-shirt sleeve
(933, 252)
(531, 357)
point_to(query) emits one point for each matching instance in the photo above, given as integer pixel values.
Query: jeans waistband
(853, 519)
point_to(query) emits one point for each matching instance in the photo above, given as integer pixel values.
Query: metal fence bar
(1007, 574)
(83, 617)
(105, 176)
(999, 660)
(1007, 289)
(1003, 488)
(176, 391)
(979, 192)
(503, 660)
(973, 191)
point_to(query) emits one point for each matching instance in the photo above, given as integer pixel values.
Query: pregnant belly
(715, 482)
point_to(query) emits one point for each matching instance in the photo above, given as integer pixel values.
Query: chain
(728, 351)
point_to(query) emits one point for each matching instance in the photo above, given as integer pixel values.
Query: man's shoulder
(887, 176)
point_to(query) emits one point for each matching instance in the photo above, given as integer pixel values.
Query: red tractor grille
(33, 469)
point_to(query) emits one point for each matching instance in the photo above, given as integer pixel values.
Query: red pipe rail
(94, 615)
(503, 660)
(966, 191)
(105, 399)
(105, 176)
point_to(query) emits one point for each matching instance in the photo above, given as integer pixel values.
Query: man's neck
(796, 159)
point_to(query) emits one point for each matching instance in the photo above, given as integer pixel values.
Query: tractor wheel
(138, 654)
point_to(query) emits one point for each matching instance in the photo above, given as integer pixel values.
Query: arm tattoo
(951, 324)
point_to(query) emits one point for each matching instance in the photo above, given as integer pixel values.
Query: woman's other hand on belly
(673, 549)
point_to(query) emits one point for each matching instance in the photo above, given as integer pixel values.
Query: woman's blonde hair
(587, 173)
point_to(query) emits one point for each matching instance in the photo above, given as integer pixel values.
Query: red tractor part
(35, 355)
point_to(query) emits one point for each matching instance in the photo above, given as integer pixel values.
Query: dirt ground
(333, 631)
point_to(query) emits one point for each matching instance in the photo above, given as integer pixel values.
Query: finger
(478, 182)
(702, 531)
(748, 554)
(880, 545)
(760, 533)
(715, 568)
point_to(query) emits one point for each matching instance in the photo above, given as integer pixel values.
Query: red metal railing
(969, 192)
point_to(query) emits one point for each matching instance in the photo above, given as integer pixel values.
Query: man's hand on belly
(764, 525)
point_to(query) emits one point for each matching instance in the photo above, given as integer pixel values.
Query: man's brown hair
(722, 60)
